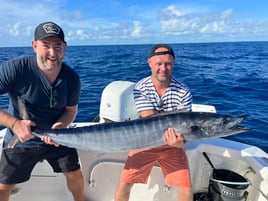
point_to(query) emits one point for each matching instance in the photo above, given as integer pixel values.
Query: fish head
(217, 125)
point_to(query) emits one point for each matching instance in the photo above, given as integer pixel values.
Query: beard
(49, 64)
(163, 78)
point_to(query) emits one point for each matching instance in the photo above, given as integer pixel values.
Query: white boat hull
(102, 171)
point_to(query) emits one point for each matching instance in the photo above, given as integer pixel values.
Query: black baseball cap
(47, 29)
(168, 51)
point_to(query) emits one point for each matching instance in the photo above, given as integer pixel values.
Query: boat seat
(105, 177)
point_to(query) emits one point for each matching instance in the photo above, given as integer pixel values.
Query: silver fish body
(147, 132)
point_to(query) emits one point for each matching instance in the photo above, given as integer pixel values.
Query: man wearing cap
(157, 93)
(47, 91)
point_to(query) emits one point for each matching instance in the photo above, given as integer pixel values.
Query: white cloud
(14, 31)
(137, 29)
(81, 34)
(172, 11)
(174, 21)
(214, 27)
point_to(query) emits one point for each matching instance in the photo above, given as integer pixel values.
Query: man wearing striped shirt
(160, 92)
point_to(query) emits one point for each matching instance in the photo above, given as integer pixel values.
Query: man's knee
(123, 191)
(185, 194)
(7, 187)
(125, 186)
(5, 191)
(73, 174)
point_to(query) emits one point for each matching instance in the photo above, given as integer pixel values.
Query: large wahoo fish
(145, 132)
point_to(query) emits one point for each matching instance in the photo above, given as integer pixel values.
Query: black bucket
(226, 185)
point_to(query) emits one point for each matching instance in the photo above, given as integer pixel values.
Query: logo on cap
(51, 28)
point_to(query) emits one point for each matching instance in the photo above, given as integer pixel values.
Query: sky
(112, 22)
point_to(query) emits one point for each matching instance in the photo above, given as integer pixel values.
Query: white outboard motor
(117, 102)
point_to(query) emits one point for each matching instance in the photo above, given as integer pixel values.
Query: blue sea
(231, 76)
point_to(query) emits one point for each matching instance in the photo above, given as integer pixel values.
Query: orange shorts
(173, 162)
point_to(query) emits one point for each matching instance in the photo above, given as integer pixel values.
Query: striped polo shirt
(177, 96)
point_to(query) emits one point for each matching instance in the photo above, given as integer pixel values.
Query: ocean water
(231, 76)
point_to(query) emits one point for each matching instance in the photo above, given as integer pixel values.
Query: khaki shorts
(173, 162)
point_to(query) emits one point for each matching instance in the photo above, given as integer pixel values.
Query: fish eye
(224, 121)
(194, 128)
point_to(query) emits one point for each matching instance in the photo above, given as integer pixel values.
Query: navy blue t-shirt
(44, 102)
